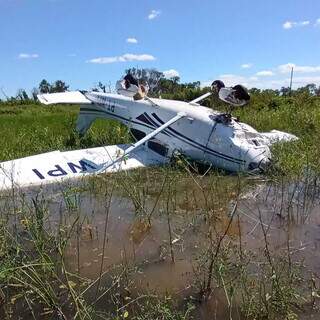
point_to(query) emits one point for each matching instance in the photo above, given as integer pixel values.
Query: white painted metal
(106, 165)
(204, 96)
(56, 166)
(201, 134)
(275, 136)
(63, 97)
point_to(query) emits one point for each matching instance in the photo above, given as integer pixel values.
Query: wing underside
(56, 166)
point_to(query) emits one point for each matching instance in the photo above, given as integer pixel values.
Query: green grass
(299, 115)
(32, 129)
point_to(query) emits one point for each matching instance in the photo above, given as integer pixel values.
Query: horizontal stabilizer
(56, 166)
(68, 97)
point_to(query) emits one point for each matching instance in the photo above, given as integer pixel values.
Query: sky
(255, 43)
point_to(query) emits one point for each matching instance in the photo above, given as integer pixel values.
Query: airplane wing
(56, 166)
(68, 97)
(275, 136)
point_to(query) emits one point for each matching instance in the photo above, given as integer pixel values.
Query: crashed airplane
(161, 128)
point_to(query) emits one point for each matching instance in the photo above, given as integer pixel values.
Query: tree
(44, 86)
(34, 93)
(148, 76)
(22, 95)
(100, 87)
(271, 92)
(171, 85)
(192, 85)
(175, 79)
(59, 86)
(285, 91)
(310, 88)
(254, 91)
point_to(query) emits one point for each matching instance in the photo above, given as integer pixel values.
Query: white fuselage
(202, 135)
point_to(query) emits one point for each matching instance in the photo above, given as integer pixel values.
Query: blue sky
(83, 42)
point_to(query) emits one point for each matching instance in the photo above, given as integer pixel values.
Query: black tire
(217, 85)
(241, 92)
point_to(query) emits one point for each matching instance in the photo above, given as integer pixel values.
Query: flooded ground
(217, 247)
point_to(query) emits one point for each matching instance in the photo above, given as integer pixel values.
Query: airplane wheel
(241, 92)
(217, 85)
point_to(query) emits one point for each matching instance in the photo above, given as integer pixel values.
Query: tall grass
(33, 129)
(299, 115)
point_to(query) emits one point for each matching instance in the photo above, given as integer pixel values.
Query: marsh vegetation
(163, 243)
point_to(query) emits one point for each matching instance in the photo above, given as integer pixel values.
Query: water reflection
(135, 226)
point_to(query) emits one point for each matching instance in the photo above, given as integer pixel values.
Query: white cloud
(132, 40)
(232, 79)
(287, 25)
(265, 83)
(28, 56)
(171, 73)
(246, 66)
(291, 24)
(317, 24)
(302, 81)
(286, 68)
(103, 60)
(265, 73)
(124, 58)
(153, 14)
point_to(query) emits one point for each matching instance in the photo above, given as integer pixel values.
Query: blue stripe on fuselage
(175, 134)
(199, 144)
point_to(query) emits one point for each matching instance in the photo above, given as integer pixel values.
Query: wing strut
(204, 96)
(106, 165)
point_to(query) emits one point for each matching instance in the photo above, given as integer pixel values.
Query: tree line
(43, 87)
(159, 86)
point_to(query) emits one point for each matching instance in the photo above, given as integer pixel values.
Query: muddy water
(121, 237)
(291, 218)
(288, 213)
(132, 242)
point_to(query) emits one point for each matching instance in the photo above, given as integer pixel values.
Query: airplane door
(210, 138)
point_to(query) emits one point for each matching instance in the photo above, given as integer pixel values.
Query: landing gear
(236, 96)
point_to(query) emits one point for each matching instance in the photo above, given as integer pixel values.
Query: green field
(299, 115)
(32, 128)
